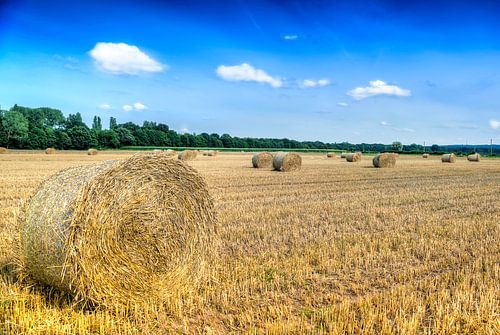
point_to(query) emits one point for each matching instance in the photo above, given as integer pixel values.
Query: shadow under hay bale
(263, 160)
(187, 155)
(50, 151)
(448, 158)
(92, 152)
(353, 157)
(474, 158)
(287, 161)
(384, 160)
(119, 232)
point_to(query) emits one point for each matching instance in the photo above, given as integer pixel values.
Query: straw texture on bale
(50, 151)
(384, 160)
(187, 155)
(353, 157)
(474, 158)
(3, 150)
(287, 161)
(331, 155)
(122, 231)
(425, 155)
(262, 160)
(448, 158)
(92, 152)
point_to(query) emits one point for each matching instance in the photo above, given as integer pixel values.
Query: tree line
(40, 128)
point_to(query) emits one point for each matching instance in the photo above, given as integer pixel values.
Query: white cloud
(495, 124)
(246, 72)
(290, 37)
(378, 87)
(184, 130)
(104, 106)
(139, 106)
(384, 123)
(127, 108)
(122, 58)
(308, 83)
(342, 104)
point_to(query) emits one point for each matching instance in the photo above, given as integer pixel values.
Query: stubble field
(334, 248)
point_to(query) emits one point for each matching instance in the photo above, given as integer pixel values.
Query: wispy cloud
(378, 87)
(495, 124)
(104, 106)
(122, 58)
(290, 37)
(384, 123)
(309, 83)
(246, 72)
(342, 104)
(127, 108)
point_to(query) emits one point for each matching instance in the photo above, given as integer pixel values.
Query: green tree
(81, 138)
(108, 139)
(125, 136)
(96, 123)
(15, 127)
(397, 146)
(63, 141)
(435, 148)
(112, 123)
(75, 120)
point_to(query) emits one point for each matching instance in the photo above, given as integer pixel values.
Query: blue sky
(364, 71)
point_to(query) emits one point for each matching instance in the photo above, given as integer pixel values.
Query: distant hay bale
(187, 155)
(50, 151)
(425, 156)
(287, 162)
(92, 152)
(331, 155)
(474, 157)
(4, 150)
(210, 153)
(448, 158)
(262, 160)
(119, 232)
(353, 157)
(343, 155)
(385, 160)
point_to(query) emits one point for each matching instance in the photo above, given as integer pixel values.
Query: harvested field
(333, 248)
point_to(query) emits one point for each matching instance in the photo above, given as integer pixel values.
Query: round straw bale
(92, 152)
(262, 160)
(425, 156)
(448, 158)
(4, 150)
(50, 151)
(287, 161)
(187, 155)
(353, 157)
(474, 157)
(119, 232)
(343, 155)
(331, 155)
(212, 153)
(384, 160)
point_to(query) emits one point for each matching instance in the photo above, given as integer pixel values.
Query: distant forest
(40, 128)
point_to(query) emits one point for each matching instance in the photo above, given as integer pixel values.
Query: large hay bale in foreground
(425, 156)
(384, 160)
(4, 150)
(331, 155)
(287, 161)
(448, 158)
(127, 231)
(474, 158)
(187, 155)
(353, 157)
(262, 160)
(50, 151)
(92, 152)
